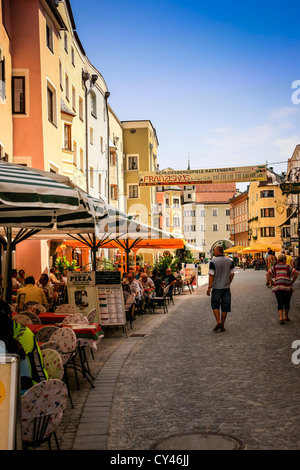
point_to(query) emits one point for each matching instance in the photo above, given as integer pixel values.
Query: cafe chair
(67, 341)
(91, 315)
(43, 335)
(23, 319)
(53, 363)
(66, 308)
(51, 345)
(29, 304)
(75, 318)
(160, 301)
(37, 308)
(42, 408)
(33, 317)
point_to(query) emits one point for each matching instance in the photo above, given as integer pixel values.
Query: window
(99, 183)
(133, 191)
(267, 193)
(228, 212)
(112, 158)
(81, 159)
(91, 136)
(175, 202)
(167, 222)
(60, 76)
(269, 212)
(73, 98)
(91, 177)
(74, 152)
(202, 228)
(285, 232)
(168, 202)
(176, 221)
(51, 104)
(67, 137)
(267, 232)
(227, 227)
(133, 163)
(67, 87)
(73, 55)
(66, 42)
(49, 36)
(215, 227)
(93, 104)
(2, 76)
(18, 95)
(114, 191)
(215, 212)
(80, 108)
(202, 213)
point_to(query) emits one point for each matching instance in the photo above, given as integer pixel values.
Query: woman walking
(283, 277)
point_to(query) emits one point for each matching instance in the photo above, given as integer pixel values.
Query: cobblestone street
(184, 378)
(174, 376)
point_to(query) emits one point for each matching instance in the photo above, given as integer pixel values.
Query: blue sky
(214, 78)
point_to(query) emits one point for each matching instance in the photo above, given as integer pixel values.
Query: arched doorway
(224, 243)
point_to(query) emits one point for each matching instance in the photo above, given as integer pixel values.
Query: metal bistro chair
(44, 334)
(91, 315)
(23, 319)
(66, 339)
(66, 308)
(79, 319)
(160, 300)
(43, 407)
(53, 363)
(33, 317)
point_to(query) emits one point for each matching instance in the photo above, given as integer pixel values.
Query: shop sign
(205, 176)
(290, 188)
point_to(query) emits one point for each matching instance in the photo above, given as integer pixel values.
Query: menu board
(108, 277)
(81, 291)
(110, 298)
(10, 402)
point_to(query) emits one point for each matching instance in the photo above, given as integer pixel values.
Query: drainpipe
(92, 79)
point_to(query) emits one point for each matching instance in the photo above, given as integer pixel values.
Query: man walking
(221, 273)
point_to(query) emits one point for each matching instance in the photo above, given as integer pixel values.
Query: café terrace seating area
(67, 340)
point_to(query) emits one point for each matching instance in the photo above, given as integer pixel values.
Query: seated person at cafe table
(18, 339)
(33, 293)
(170, 280)
(21, 278)
(148, 286)
(14, 275)
(52, 276)
(47, 287)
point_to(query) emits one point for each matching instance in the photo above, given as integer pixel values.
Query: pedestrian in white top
(221, 273)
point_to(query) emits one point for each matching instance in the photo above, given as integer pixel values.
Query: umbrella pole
(7, 267)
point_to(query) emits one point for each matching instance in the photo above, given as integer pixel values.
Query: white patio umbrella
(31, 201)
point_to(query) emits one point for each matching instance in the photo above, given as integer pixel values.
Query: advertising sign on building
(206, 176)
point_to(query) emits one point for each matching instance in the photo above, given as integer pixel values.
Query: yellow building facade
(266, 212)
(140, 149)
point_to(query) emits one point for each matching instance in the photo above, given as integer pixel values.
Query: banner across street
(205, 176)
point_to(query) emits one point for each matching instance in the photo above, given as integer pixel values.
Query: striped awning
(30, 199)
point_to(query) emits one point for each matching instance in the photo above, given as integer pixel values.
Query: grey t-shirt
(221, 267)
